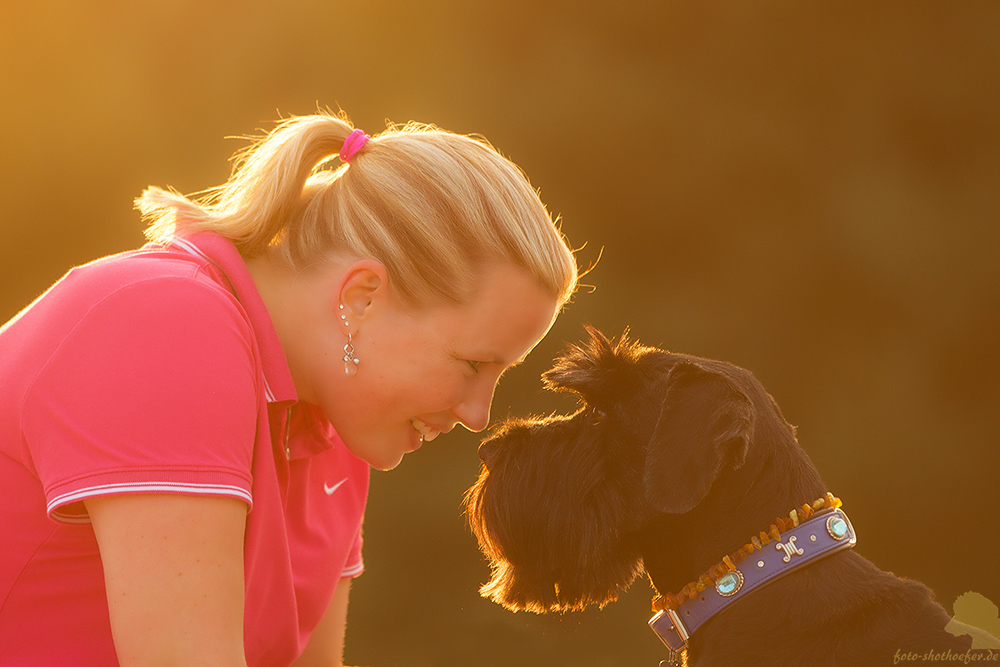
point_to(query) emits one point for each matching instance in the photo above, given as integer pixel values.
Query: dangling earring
(350, 361)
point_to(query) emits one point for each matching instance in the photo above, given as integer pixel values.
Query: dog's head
(559, 499)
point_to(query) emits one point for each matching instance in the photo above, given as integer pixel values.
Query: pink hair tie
(354, 142)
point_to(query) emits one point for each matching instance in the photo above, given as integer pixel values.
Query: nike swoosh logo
(330, 489)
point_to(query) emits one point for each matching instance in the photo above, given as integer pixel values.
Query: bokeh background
(809, 190)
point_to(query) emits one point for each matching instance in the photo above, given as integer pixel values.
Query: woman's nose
(474, 411)
(474, 416)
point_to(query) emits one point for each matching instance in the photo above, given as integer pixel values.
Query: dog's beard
(552, 527)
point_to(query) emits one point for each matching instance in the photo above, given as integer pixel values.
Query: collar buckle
(676, 657)
(678, 626)
(669, 627)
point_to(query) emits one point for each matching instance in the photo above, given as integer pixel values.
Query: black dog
(671, 463)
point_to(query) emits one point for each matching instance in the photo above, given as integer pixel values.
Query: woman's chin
(389, 459)
(387, 454)
(386, 466)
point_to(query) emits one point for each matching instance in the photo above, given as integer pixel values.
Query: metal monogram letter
(790, 549)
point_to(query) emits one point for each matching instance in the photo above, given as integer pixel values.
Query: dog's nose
(487, 450)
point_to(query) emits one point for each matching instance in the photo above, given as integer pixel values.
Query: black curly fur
(671, 462)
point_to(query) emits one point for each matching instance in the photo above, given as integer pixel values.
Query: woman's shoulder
(151, 268)
(140, 298)
(181, 287)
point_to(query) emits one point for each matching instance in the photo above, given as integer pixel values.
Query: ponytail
(430, 205)
(265, 188)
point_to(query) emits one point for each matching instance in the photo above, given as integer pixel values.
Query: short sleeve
(355, 563)
(154, 390)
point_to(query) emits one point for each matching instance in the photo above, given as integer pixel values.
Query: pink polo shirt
(159, 371)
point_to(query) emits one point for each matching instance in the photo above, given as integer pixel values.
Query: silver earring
(350, 361)
(343, 316)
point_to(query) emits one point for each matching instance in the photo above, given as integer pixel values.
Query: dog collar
(827, 532)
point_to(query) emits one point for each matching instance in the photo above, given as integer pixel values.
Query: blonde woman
(187, 429)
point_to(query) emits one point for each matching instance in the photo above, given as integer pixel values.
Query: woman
(187, 429)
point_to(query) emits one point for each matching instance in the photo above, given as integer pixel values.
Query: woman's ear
(362, 287)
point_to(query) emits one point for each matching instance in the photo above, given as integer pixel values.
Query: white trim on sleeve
(150, 487)
(354, 570)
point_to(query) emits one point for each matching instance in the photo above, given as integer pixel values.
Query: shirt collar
(223, 255)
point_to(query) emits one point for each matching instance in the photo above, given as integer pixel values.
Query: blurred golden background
(809, 190)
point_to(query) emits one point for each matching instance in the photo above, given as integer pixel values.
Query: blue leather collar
(821, 535)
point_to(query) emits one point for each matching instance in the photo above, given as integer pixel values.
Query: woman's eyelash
(473, 364)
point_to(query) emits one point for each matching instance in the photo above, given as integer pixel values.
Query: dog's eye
(596, 416)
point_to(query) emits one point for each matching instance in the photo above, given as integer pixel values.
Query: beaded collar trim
(809, 532)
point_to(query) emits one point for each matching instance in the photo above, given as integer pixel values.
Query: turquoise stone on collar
(729, 583)
(837, 527)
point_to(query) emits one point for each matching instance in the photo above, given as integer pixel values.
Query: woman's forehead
(507, 316)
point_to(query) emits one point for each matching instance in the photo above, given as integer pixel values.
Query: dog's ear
(596, 368)
(705, 423)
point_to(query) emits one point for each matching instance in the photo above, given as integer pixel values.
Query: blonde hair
(432, 206)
